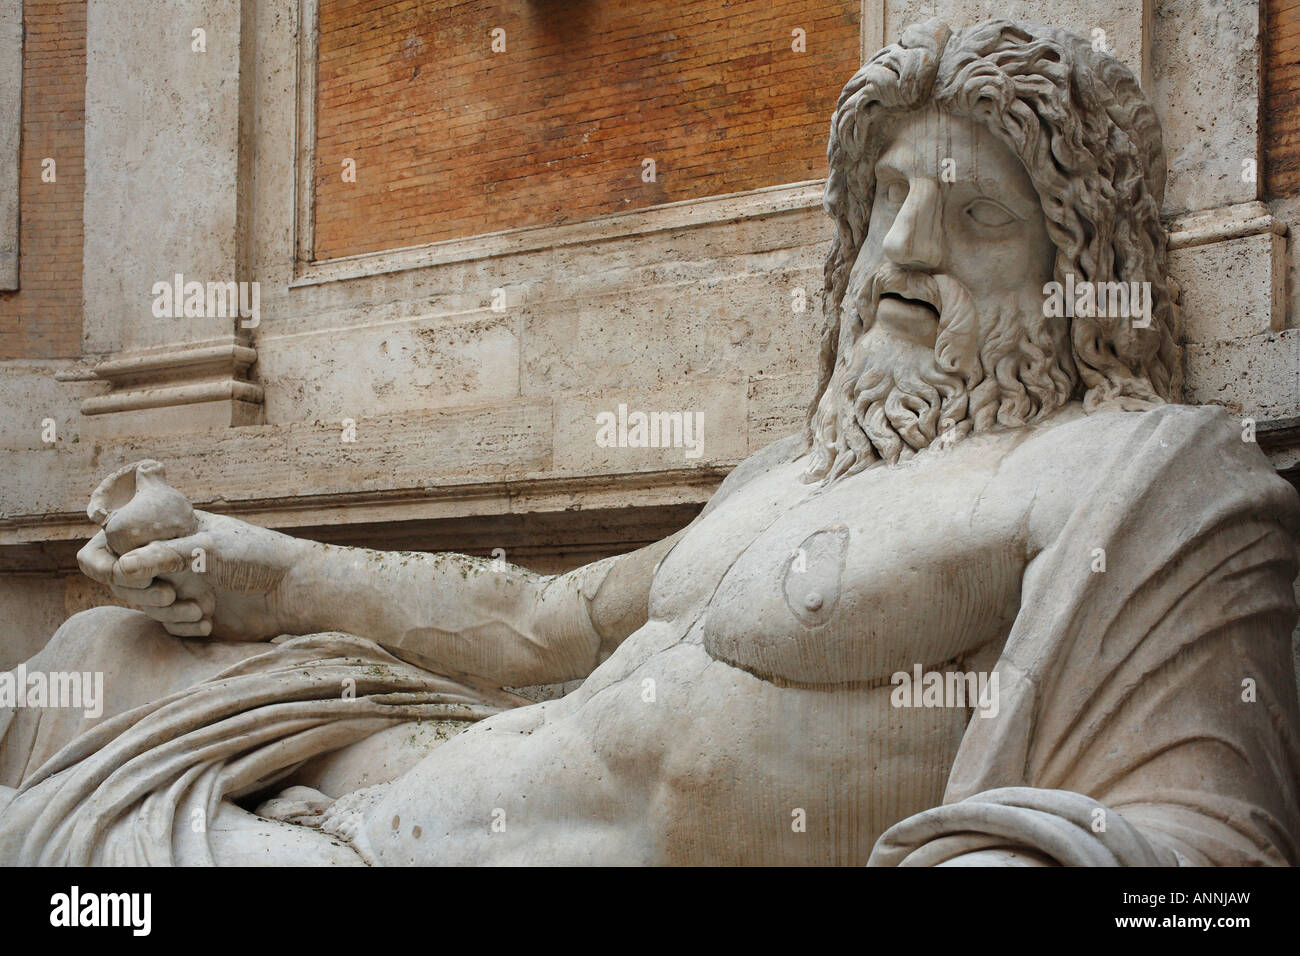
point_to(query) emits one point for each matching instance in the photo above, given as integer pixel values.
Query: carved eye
(896, 191)
(986, 212)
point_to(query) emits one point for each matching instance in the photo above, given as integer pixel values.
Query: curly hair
(1091, 144)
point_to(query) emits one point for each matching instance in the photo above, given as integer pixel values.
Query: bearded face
(942, 329)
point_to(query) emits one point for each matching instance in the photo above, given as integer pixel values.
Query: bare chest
(914, 564)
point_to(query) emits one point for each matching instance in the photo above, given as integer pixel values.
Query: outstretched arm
(468, 615)
(500, 622)
(449, 612)
(237, 582)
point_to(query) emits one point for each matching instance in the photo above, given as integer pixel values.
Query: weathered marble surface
(982, 488)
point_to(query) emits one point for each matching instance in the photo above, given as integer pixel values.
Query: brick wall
(43, 318)
(1282, 97)
(451, 139)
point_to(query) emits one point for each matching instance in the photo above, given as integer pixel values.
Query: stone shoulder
(762, 461)
(1068, 463)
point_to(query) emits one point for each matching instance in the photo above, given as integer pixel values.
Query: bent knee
(98, 620)
(83, 639)
(138, 659)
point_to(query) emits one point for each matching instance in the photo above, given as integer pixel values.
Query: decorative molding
(166, 396)
(216, 356)
(1241, 221)
(460, 500)
(181, 375)
(77, 373)
(1224, 223)
(685, 214)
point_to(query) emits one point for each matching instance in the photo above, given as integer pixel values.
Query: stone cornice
(181, 375)
(689, 213)
(1222, 224)
(569, 493)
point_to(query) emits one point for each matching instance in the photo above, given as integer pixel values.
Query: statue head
(969, 171)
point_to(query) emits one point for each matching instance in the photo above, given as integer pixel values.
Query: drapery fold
(144, 787)
(1162, 688)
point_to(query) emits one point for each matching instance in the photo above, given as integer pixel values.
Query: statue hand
(222, 580)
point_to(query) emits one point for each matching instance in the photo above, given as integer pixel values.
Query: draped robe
(1148, 712)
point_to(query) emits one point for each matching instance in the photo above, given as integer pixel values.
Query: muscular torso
(750, 719)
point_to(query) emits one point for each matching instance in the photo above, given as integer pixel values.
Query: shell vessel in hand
(135, 506)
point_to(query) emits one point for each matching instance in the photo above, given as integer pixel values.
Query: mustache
(889, 279)
(958, 343)
(885, 399)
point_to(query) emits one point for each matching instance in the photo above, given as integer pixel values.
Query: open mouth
(916, 303)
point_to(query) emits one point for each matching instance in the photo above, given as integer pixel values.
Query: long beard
(889, 399)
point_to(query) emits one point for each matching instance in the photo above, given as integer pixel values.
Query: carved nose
(915, 238)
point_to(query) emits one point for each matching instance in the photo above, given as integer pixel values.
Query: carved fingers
(134, 580)
(95, 560)
(158, 557)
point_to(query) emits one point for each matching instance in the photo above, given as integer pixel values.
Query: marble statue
(987, 487)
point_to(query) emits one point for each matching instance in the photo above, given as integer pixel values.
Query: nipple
(813, 572)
